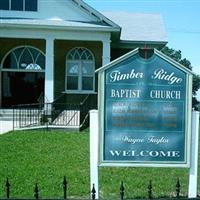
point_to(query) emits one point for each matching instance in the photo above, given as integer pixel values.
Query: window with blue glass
(4, 4)
(16, 4)
(19, 5)
(31, 5)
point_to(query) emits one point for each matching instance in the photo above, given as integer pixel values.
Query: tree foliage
(177, 56)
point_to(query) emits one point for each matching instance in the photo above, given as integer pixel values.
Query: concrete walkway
(5, 126)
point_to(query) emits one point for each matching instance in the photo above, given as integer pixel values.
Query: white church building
(49, 50)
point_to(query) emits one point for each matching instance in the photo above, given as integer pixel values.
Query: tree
(176, 55)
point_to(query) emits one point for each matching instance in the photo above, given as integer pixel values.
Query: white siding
(52, 9)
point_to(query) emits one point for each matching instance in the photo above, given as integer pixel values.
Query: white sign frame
(188, 115)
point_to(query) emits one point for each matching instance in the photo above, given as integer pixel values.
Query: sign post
(94, 140)
(192, 192)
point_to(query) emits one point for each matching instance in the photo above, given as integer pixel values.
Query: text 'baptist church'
(158, 74)
(154, 94)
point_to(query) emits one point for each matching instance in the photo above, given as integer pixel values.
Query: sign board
(145, 112)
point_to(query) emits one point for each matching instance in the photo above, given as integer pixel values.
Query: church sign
(145, 111)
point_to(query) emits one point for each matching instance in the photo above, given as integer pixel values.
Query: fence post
(7, 188)
(192, 191)
(122, 191)
(13, 119)
(36, 192)
(178, 187)
(93, 192)
(65, 188)
(94, 142)
(150, 190)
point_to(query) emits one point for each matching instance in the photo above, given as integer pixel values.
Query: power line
(187, 31)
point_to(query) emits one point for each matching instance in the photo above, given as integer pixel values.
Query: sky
(181, 19)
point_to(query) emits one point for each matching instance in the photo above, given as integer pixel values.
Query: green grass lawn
(45, 157)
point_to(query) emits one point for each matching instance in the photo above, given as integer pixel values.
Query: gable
(61, 10)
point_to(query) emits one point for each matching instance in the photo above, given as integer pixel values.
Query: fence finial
(36, 192)
(122, 190)
(150, 190)
(65, 187)
(178, 188)
(93, 192)
(7, 188)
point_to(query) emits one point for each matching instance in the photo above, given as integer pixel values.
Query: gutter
(59, 27)
(133, 44)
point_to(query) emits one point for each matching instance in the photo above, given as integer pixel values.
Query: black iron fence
(47, 114)
(56, 114)
(121, 192)
(27, 115)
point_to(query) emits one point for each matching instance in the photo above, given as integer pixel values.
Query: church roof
(139, 26)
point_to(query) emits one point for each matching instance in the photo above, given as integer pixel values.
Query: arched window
(80, 66)
(24, 58)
